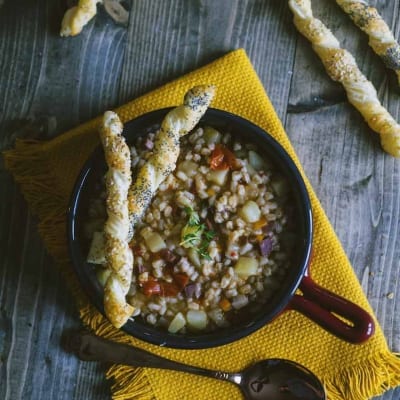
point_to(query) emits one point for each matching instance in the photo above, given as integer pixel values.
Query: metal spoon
(273, 379)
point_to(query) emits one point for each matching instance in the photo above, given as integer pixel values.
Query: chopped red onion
(266, 247)
(148, 144)
(193, 290)
(190, 289)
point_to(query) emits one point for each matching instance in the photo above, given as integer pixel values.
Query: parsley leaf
(194, 218)
(195, 235)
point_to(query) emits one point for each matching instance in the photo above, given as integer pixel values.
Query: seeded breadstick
(77, 17)
(119, 258)
(381, 39)
(342, 67)
(177, 123)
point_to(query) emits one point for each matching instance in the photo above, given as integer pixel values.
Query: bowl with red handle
(297, 291)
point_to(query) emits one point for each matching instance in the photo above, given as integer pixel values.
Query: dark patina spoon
(273, 379)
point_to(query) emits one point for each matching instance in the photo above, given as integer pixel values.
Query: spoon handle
(89, 347)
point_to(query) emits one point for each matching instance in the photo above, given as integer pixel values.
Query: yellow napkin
(46, 173)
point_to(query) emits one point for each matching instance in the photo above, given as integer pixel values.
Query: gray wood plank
(48, 84)
(169, 38)
(355, 180)
(52, 84)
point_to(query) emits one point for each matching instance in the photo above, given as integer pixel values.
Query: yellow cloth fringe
(46, 173)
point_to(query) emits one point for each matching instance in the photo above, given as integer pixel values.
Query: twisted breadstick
(177, 123)
(381, 39)
(77, 17)
(342, 67)
(119, 258)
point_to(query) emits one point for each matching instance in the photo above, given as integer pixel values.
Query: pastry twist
(342, 67)
(177, 123)
(77, 17)
(119, 258)
(381, 38)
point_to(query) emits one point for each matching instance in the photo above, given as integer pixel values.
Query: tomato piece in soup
(222, 158)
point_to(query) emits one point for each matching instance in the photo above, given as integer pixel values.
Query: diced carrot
(225, 304)
(151, 287)
(260, 238)
(230, 159)
(169, 289)
(222, 158)
(217, 159)
(210, 192)
(260, 223)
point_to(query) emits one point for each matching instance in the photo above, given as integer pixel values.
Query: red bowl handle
(319, 304)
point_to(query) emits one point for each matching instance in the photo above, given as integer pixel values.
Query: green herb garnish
(194, 218)
(190, 238)
(209, 235)
(203, 248)
(195, 235)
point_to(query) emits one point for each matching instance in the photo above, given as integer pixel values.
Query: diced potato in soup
(218, 177)
(177, 323)
(211, 244)
(196, 319)
(211, 135)
(250, 212)
(256, 161)
(246, 267)
(154, 242)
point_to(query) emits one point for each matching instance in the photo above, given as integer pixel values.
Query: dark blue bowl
(266, 146)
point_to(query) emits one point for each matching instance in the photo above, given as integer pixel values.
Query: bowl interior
(268, 148)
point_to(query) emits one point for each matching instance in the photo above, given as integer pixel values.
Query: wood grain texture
(169, 38)
(49, 84)
(45, 79)
(355, 181)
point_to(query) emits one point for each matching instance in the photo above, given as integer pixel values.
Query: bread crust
(381, 38)
(77, 17)
(177, 123)
(119, 257)
(126, 203)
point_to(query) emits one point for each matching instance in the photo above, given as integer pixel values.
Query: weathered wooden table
(49, 84)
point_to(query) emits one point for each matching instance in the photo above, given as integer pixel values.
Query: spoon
(273, 379)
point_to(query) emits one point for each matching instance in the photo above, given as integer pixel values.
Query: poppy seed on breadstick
(342, 67)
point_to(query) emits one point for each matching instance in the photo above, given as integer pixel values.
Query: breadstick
(342, 67)
(177, 123)
(119, 258)
(381, 38)
(77, 17)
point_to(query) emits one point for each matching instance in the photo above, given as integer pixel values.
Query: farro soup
(215, 242)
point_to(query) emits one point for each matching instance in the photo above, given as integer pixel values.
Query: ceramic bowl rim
(219, 337)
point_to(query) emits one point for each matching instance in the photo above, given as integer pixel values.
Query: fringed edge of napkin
(30, 167)
(370, 378)
(29, 164)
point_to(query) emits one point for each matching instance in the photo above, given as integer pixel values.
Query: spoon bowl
(280, 379)
(272, 379)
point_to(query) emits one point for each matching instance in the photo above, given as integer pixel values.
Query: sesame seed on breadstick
(381, 38)
(177, 123)
(119, 257)
(342, 67)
